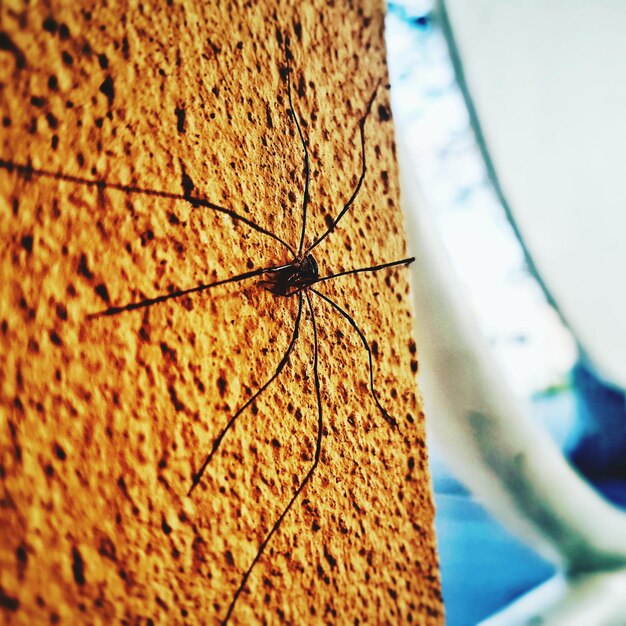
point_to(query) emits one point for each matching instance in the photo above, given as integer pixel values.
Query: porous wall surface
(113, 118)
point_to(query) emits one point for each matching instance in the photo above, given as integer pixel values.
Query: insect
(297, 278)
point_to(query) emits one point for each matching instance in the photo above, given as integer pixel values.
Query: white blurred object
(531, 344)
(540, 75)
(546, 80)
(570, 602)
(490, 440)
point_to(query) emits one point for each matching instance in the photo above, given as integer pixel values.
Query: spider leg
(307, 478)
(131, 306)
(361, 177)
(197, 477)
(391, 420)
(27, 171)
(307, 172)
(373, 268)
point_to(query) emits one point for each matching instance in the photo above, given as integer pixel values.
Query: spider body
(293, 277)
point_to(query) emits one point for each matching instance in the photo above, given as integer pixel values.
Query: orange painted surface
(103, 421)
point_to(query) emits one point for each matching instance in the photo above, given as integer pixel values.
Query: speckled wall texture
(122, 125)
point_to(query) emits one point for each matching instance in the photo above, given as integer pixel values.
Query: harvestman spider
(295, 278)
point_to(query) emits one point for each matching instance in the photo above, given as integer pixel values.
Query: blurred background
(515, 128)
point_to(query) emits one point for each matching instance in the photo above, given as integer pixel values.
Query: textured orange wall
(103, 421)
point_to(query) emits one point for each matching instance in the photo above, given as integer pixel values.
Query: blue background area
(483, 566)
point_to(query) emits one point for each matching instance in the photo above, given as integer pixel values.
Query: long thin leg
(114, 310)
(198, 475)
(361, 177)
(307, 172)
(391, 420)
(373, 268)
(318, 451)
(26, 171)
